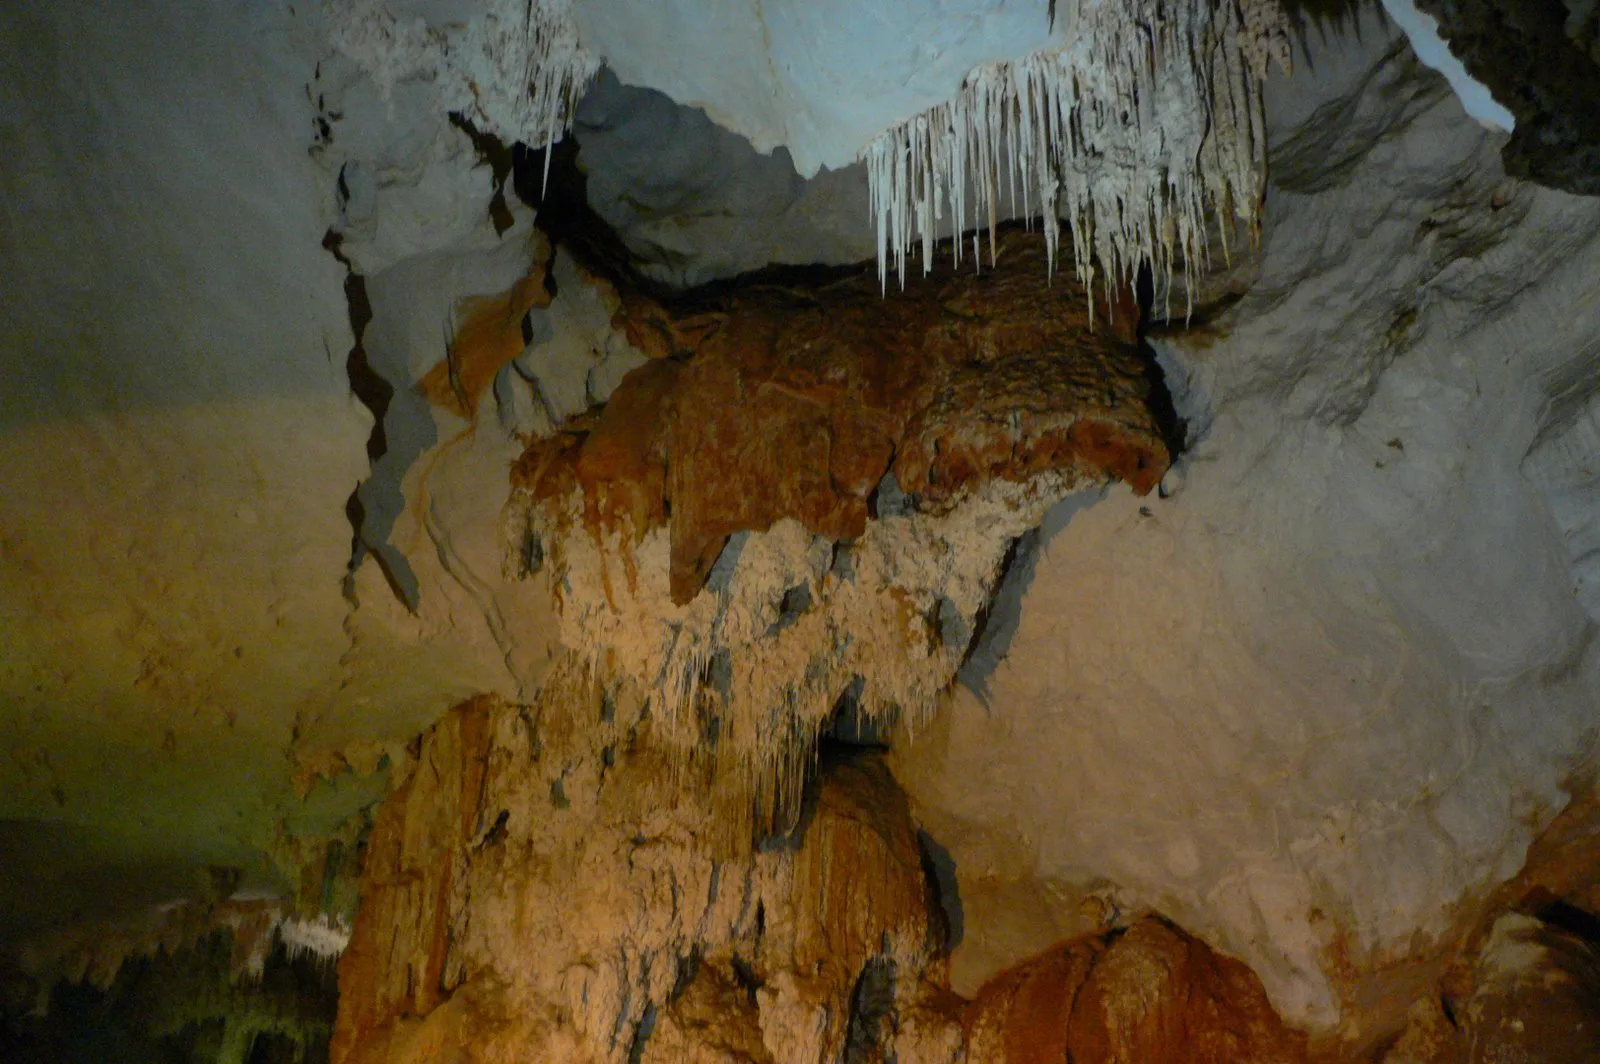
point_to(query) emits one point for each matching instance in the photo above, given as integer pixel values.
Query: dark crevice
(497, 831)
(939, 871)
(1571, 919)
(530, 557)
(367, 386)
(550, 181)
(1020, 551)
(493, 153)
(1173, 429)
(996, 624)
(951, 627)
(641, 1035)
(849, 726)
(719, 675)
(560, 196)
(355, 511)
(795, 603)
(375, 394)
(871, 1006)
(745, 975)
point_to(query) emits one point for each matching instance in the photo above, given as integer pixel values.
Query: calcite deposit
(561, 894)
(529, 896)
(1149, 993)
(808, 495)
(827, 689)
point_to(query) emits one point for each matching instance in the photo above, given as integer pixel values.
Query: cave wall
(187, 649)
(1542, 61)
(1315, 702)
(176, 441)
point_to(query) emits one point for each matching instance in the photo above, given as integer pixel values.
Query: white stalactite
(1131, 133)
(517, 71)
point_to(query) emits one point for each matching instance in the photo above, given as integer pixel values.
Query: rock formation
(567, 561)
(529, 897)
(809, 494)
(1543, 62)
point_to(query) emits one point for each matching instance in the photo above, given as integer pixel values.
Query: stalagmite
(529, 895)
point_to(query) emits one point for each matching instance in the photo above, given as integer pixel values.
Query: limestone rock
(712, 1020)
(540, 885)
(1537, 996)
(809, 493)
(814, 397)
(1313, 707)
(1151, 993)
(540, 889)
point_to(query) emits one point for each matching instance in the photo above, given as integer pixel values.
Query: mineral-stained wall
(552, 898)
(530, 897)
(799, 507)
(808, 494)
(1150, 993)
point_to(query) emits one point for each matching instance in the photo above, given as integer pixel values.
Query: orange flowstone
(1150, 993)
(489, 337)
(395, 965)
(794, 402)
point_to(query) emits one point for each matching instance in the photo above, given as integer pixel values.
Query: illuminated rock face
(1318, 702)
(802, 502)
(1147, 993)
(553, 896)
(529, 896)
(810, 493)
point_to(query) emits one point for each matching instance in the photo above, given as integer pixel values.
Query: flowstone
(804, 501)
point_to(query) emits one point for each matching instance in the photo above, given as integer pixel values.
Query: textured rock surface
(540, 873)
(176, 442)
(1522, 984)
(1313, 704)
(778, 402)
(1149, 993)
(1542, 61)
(539, 889)
(695, 202)
(822, 79)
(706, 533)
(179, 445)
(1536, 996)
(1316, 702)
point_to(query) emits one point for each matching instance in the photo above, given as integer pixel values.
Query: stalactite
(517, 70)
(1147, 119)
(94, 953)
(815, 495)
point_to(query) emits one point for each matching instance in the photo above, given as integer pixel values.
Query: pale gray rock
(1324, 697)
